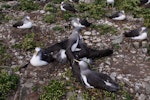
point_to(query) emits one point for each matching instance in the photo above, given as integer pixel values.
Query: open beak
(76, 60)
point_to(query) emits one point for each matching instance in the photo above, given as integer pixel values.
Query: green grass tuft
(7, 84)
(54, 91)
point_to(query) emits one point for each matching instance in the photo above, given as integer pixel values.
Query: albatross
(67, 7)
(120, 15)
(137, 34)
(40, 58)
(93, 79)
(77, 22)
(25, 23)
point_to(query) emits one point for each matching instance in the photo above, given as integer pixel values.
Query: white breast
(74, 46)
(26, 25)
(85, 81)
(140, 37)
(35, 61)
(61, 7)
(110, 1)
(122, 17)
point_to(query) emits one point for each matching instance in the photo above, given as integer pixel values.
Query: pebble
(87, 33)
(142, 97)
(113, 75)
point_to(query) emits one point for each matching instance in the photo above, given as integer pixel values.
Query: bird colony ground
(129, 65)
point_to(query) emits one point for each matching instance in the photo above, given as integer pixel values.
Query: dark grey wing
(46, 56)
(56, 46)
(84, 22)
(76, 71)
(20, 23)
(111, 85)
(142, 2)
(69, 53)
(75, 1)
(114, 15)
(69, 7)
(94, 80)
(132, 33)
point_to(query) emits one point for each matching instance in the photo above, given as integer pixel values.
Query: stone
(42, 11)
(136, 44)
(144, 44)
(142, 97)
(146, 86)
(144, 50)
(113, 75)
(28, 84)
(87, 33)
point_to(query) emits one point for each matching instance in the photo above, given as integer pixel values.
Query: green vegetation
(56, 1)
(104, 29)
(91, 10)
(57, 28)
(54, 91)
(49, 18)
(132, 6)
(28, 5)
(5, 6)
(3, 54)
(50, 7)
(28, 43)
(8, 83)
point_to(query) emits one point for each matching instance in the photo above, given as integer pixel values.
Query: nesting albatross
(25, 23)
(120, 15)
(92, 79)
(67, 7)
(40, 58)
(137, 34)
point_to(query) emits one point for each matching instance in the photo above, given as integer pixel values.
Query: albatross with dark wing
(67, 7)
(118, 15)
(40, 58)
(92, 79)
(77, 22)
(137, 34)
(24, 23)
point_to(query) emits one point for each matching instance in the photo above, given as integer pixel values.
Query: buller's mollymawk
(144, 2)
(67, 7)
(40, 58)
(92, 79)
(24, 23)
(72, 44)
(118, 15)
(77, 22)
(110, 2)
(137, 34)
(76, 1)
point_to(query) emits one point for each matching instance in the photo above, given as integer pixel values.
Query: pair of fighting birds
(78, 54)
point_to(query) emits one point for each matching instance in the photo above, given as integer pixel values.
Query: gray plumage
(92, 79)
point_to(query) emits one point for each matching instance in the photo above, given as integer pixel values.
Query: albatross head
(122, 11)
(37, 50)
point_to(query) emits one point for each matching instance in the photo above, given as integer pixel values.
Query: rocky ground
(129, 64)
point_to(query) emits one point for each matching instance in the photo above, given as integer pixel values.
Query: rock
(88, 1)
(42, 11)
(142, 97)
(87, 33)
(113, 75)
(144, 50)
(146, 86)
(119, 77)
(28, 84)
(70, 95)
(136, 44)
(144, 44)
